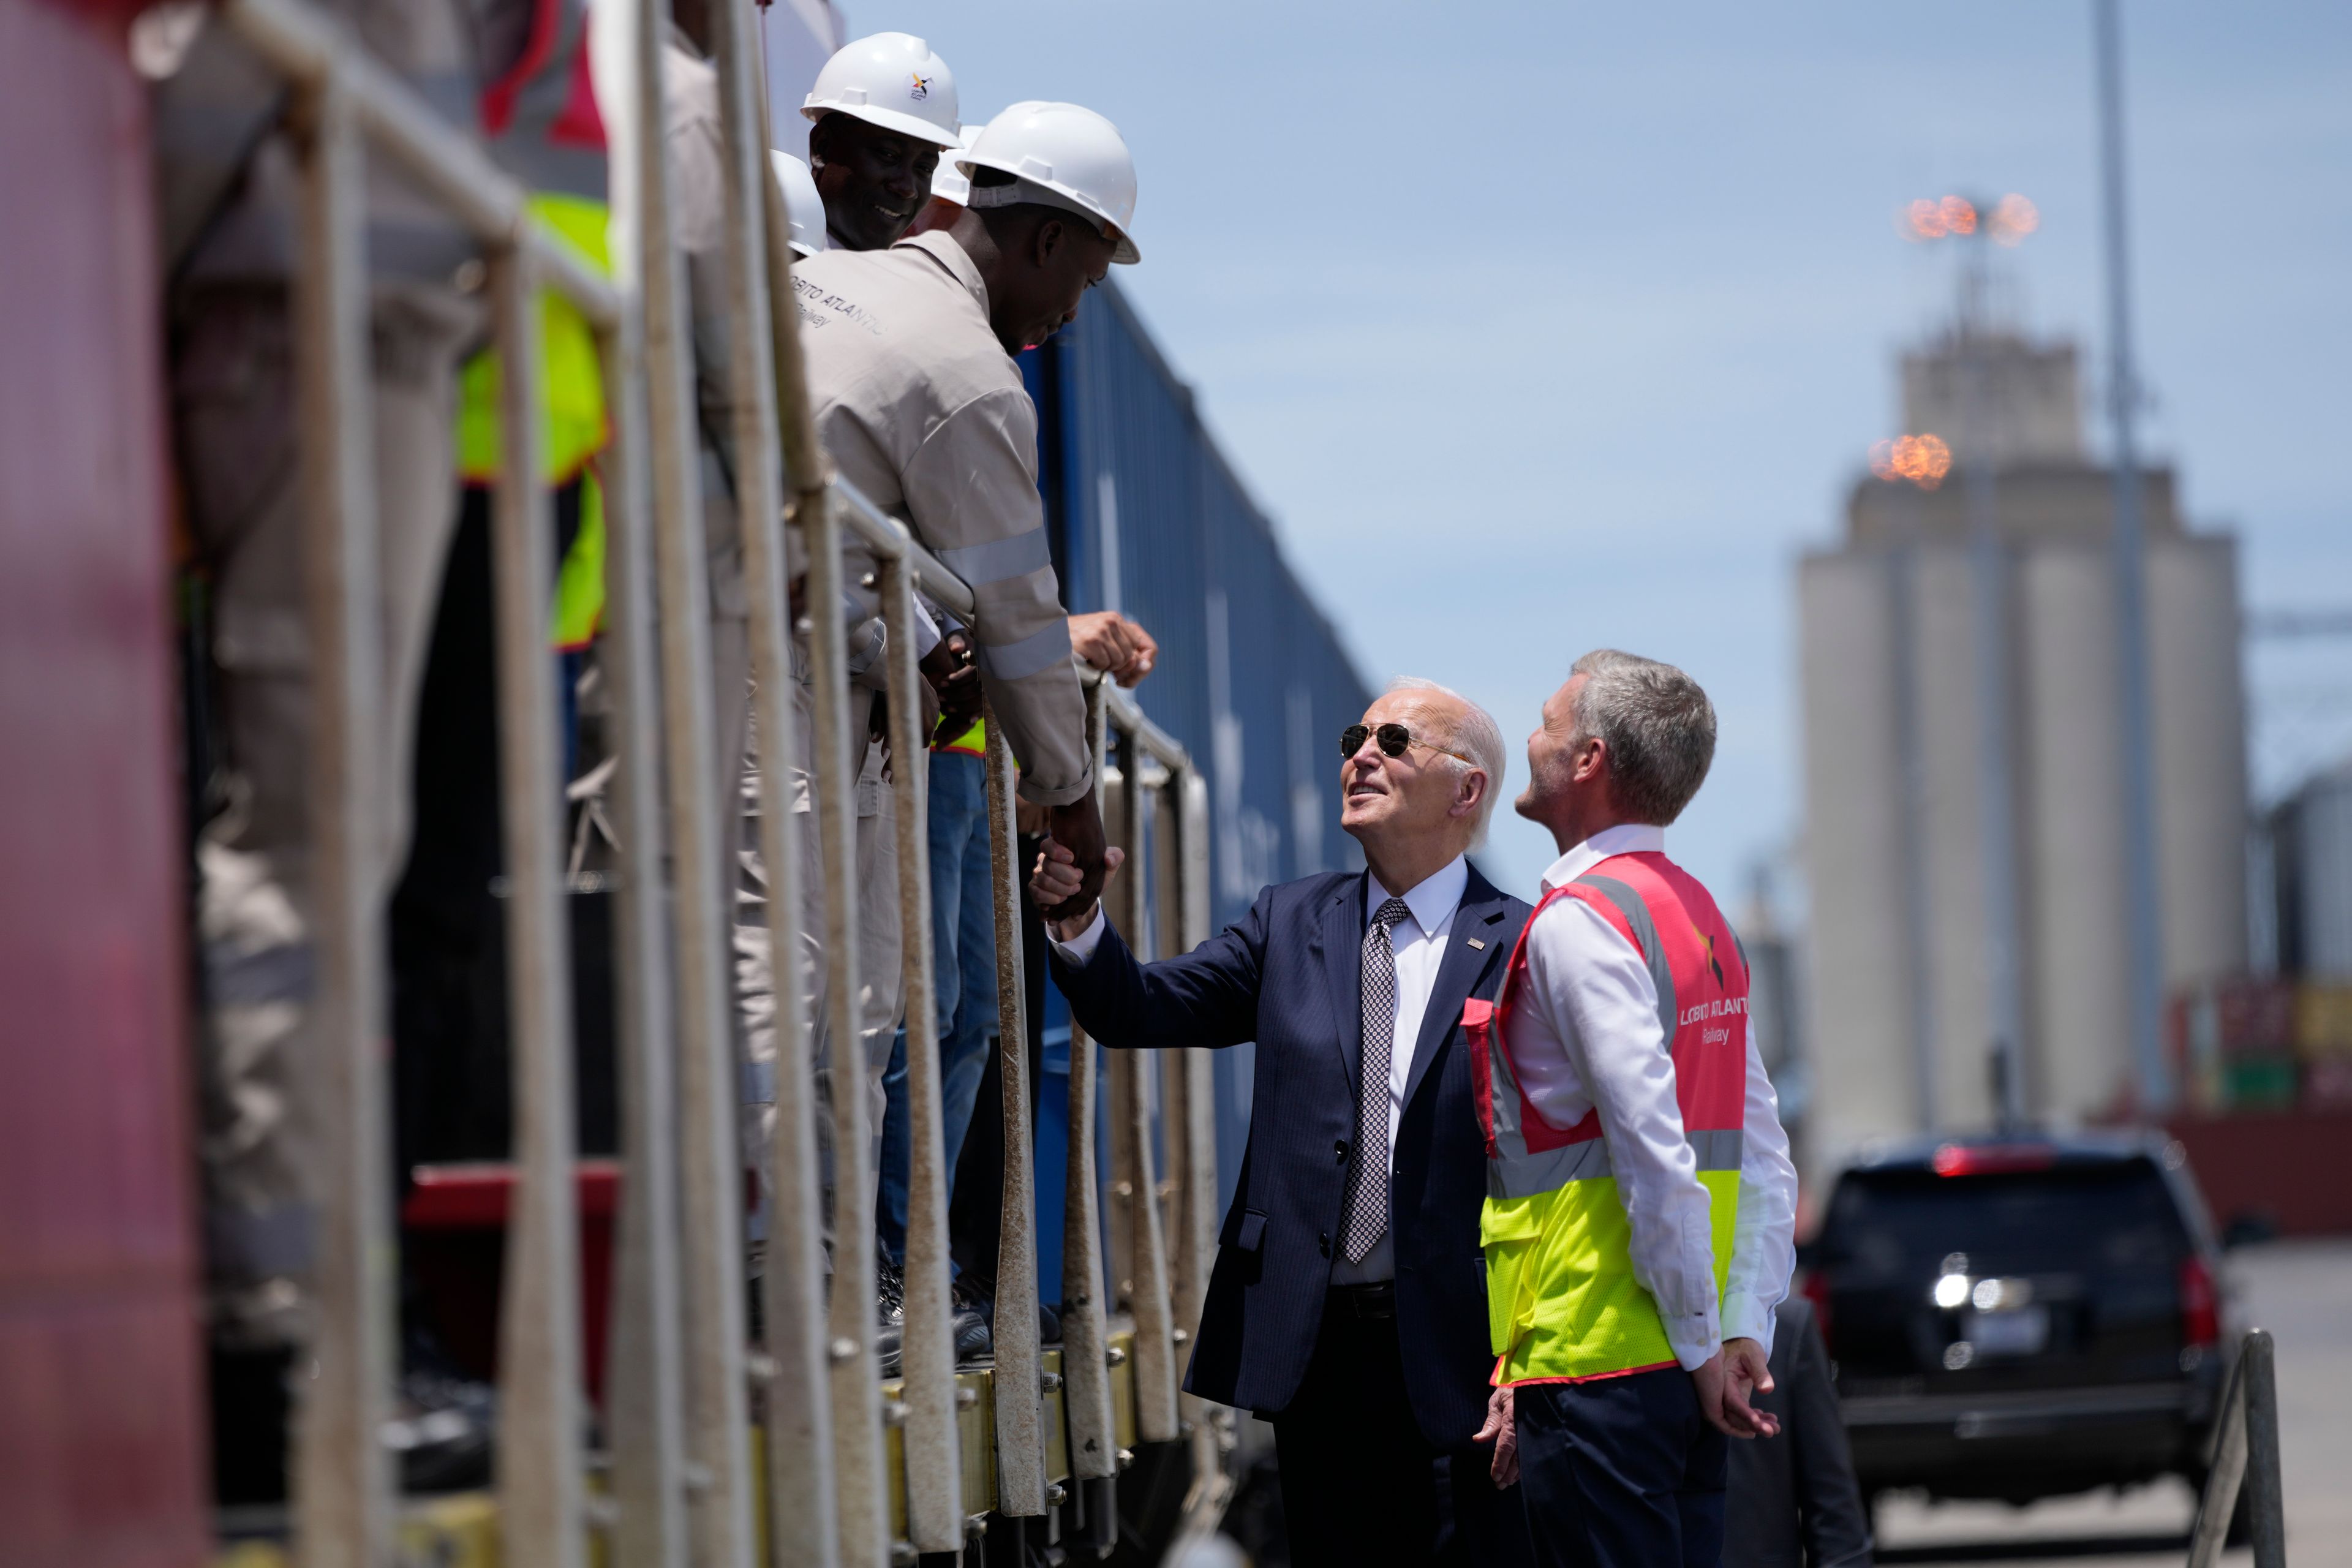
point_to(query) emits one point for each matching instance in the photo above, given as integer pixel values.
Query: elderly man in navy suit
(1349, 1302)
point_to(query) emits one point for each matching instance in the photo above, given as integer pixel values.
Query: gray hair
(1657, 724)
(1472, 732)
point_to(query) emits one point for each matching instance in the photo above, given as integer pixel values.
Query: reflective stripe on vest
(1562, 1301)
(541, 123)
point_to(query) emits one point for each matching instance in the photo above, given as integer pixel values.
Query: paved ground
(2301, 1292)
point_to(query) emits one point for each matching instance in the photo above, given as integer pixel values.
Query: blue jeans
(963, 954)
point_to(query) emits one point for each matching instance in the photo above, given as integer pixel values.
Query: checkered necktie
(1368, 1194)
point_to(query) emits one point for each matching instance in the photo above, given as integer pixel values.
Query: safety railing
(681, 1484)
(2245, 1459)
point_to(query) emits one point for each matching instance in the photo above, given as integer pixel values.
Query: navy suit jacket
(1288, 977)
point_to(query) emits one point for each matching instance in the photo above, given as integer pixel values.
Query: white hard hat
(948, 181)
(802, 205)
(1059, 150)
(892, 80)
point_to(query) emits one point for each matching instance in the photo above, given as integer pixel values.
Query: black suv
(2021, 1317)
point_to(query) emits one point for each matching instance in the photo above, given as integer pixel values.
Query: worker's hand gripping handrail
(1140, 1239)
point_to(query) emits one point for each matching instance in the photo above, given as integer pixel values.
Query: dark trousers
(1621, 1472)
(1360, 1483)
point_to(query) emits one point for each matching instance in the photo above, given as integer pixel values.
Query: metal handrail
(2245, 1452)
(682, 1483)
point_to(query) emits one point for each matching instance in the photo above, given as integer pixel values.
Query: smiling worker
(883, 108)
(1349, 1303)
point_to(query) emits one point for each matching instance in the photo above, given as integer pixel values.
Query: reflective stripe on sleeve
(1039, 651)
(999, 559)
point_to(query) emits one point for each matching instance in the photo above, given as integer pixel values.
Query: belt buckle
(1376, 1301)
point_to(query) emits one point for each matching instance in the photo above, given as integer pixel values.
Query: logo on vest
(1720, 1007)
(1712, 962)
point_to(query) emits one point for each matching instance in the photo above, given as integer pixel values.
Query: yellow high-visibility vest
(542, 126)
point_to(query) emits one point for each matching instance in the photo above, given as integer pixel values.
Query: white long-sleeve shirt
(1419, 944)
(1585, 1036)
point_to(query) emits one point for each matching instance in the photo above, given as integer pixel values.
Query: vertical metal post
(712, 1185)
(1122, 906)
(1996, 774)
(2265, 1492)
(804, 1528)
(1197, 1227)
(343, 1490)
(1910, 752)
(1085, 1388)
(2142, 906)
(643, 1391)
(856, 1391)
(1020, 1389)
(934, 1507)
(539, 1340)
(1155, 1350)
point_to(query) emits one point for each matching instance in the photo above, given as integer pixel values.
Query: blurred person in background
(1792, 1502)
(1346, 1305)
(228, 179)
(1635, 1153)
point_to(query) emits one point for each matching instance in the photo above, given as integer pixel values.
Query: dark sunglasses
(1393, 739)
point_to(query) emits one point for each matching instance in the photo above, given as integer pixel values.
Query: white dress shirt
(1419, 944)
(1585, 1036)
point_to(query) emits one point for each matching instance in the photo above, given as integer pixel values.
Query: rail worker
(884, 110)
(963, 908)
(540, 123)
(908, 354)
(1638, 1232)
(1346, 1305)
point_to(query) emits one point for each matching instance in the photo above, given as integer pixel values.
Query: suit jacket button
(1340, 1149)
(1323, 1242)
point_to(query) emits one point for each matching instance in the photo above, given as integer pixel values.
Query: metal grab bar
(342, 1477)
(1143, 1254)
(2245, 1452)
(803, 1519)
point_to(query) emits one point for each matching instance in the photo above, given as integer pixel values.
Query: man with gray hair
(1638, 1226)
(1347, 1305)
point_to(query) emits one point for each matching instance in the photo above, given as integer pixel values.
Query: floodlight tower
(1973, 222)
(2144, 953)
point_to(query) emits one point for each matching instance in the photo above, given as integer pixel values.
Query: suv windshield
(2105, 1215)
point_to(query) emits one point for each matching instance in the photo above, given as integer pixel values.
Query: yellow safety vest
(973, 742)
(541, 125)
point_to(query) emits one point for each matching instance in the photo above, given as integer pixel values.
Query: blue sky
(1542, 327)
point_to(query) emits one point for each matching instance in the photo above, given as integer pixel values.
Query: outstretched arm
(1207, 997)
